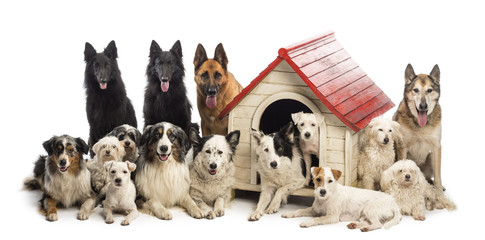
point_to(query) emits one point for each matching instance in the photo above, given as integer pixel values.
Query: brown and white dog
(419, 115)
(216, 87)
(63, 177)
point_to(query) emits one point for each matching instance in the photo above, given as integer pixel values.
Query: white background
(42, 74)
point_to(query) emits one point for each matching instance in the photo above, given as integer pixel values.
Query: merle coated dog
(107, 105)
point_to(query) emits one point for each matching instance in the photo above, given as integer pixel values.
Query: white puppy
(334, 203)
(107, 149)
(407, 184)
(121, 192)
(307, 124)
(376, 151)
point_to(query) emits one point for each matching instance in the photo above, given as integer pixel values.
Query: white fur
(376, 154)
(372, 209)
(307, 124)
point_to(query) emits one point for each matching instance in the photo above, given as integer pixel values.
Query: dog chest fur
(211, 189)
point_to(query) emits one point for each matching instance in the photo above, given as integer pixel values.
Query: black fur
(198, 142)
(283, 143)
(121, 133)
(153, 133)
(173, 105)
(110, 107)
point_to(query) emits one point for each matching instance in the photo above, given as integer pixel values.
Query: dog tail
(36, 182)
(32, 184)
(394, 220)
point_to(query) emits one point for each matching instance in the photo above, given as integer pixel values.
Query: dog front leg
(50, 206)
(307, 157)
(328, 219)
(282, 194)
(192, 208)
(436, 161)
(158, 210)
(108, 214)
(264, 199)
(306, 212)
(132, 214)
(86, 209)
(219, 207)
(206, 210)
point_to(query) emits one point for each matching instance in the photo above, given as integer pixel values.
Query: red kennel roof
(333, 76)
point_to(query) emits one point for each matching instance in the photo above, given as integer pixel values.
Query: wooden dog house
(318, 76)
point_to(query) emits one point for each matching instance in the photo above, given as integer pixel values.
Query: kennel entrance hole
(278, 114)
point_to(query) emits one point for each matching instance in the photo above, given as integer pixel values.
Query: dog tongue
(211, 101)
(103, 85)
(165, 86)
(422, 118)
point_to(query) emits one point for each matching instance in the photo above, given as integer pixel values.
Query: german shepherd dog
(216, 87)
(419, 115)
(107, 105)
(165, 94)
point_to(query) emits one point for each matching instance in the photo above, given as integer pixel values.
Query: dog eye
(380, 129)
(113, 171)
(416, 90)
(302, 124)
(400, 170)
(217, 75)
(205, 75)
(429, 90)
(266, 150)
(208, 151)
(390, 130)
(313, 124)
(330, 181)
(318, 180)
(157, 135)
(71, 150)
(121, 137)
(104, 146)
(125, 172)
(219, 152)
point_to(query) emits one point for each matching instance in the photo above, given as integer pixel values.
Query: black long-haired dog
(165, 94)
(107, 105)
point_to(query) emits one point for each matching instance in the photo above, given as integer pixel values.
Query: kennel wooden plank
(354, 88)
(243, 174)
(364, 110)
(335, 72)
(242, 161)
(335, 156)
(340, 82)
(241, 123)
(246, 111)
(317, 54)
(283, 66)
(307, 44)
(272, 88)
(335, 144)
(253, 100)
(332, 120)
(336, 132)
(358, 99)
(325, 63)
(284, 78)
(321, 106)
(244, 149)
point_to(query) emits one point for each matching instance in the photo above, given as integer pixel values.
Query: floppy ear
(121, 151)
(200, 57)
(177, 49)
(49, 145)
(89, 52)
(320, 118)
(96, 147)
(111, 51)
(257, 135)
(131, 166)
(364, 137)
(315, 171)
(220, 56)
(233, 139)
(81, 146)
(409, 74)
(146, 135)
(108, 164)
(288, 132)
(388, 179)
(336, 174)
(435, 73)
(296, 117)
(154, 49)
(182, 139)
(137, 137)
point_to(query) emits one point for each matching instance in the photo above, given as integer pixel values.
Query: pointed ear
(296, 117)
(194, 137)
(220, 56)
(233, 139)
(336, 174)
(257, 135)
(108, 164)
(49, 145)
(89, 52)
(288, 132)
(81, 146)
(409, 74)
(146, 135)
(435, 74)
(131, 166)
(200, 57)
(177, 49)
(154, 49)
(111, 51)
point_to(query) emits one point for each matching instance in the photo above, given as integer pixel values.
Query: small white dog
(106, 149)
(407, 184)
(307, 124)
(376, 151)
(121, 192)
(279, 165)
(334, 203)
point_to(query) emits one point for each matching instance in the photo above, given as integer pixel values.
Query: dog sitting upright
(419, 115)
(63, 177)
(121, 192)
(212, 172)
(307, 124)
(279, 165)
(216, 87)
(129, 138)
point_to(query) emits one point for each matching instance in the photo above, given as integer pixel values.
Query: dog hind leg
(306, 212)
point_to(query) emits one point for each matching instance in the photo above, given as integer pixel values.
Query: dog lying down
(335, 203)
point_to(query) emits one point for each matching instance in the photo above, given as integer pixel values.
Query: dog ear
(315, 171)
(81, 146)
(336, 174)
(220, 56)
(200, 57)
(111, 51)
(121, 151)
(108, 164)
(182, 139)
(49, 145)
(233, 139)
(257, 135)
(435, 74)
(288, 132)
(131, 166)
(388, 179)
(296, 117)
(154, 49)
(194, 137)
(146, 135)
(89, 52)
(409, 74)
(177, 49)
(137, 137)
(320, 118)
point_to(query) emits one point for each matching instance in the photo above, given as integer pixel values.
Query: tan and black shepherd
(419, 114)
(216, 87)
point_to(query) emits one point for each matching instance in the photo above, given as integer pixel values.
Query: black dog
(165, 95)
(107, 105)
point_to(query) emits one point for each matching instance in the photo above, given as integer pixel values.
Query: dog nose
(423, 106)
(118, 180)
(213, 166)
(164, 148)
(408, 176)
(212, 91)
(108, 152)
(62, 162)
(307, 135)
(127, 144)
(323, 192)
(273, 164)
(164, 79)
(386, 140)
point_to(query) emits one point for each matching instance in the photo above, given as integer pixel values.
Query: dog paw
(306, 224)
(364, 229)
(109, 220)
(287, 215)
(164, 215)
(83, 216)
(255, 216)
(210, 215)
(125, 222)
(197, 214)
(419, 217)
(52, 217)
(219, 212)
(352, 225)
(273, 208)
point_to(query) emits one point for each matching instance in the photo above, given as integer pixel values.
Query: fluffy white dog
(307, 124)
(335, 202)
(121, 192)
(407, 184)
(376, 151)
